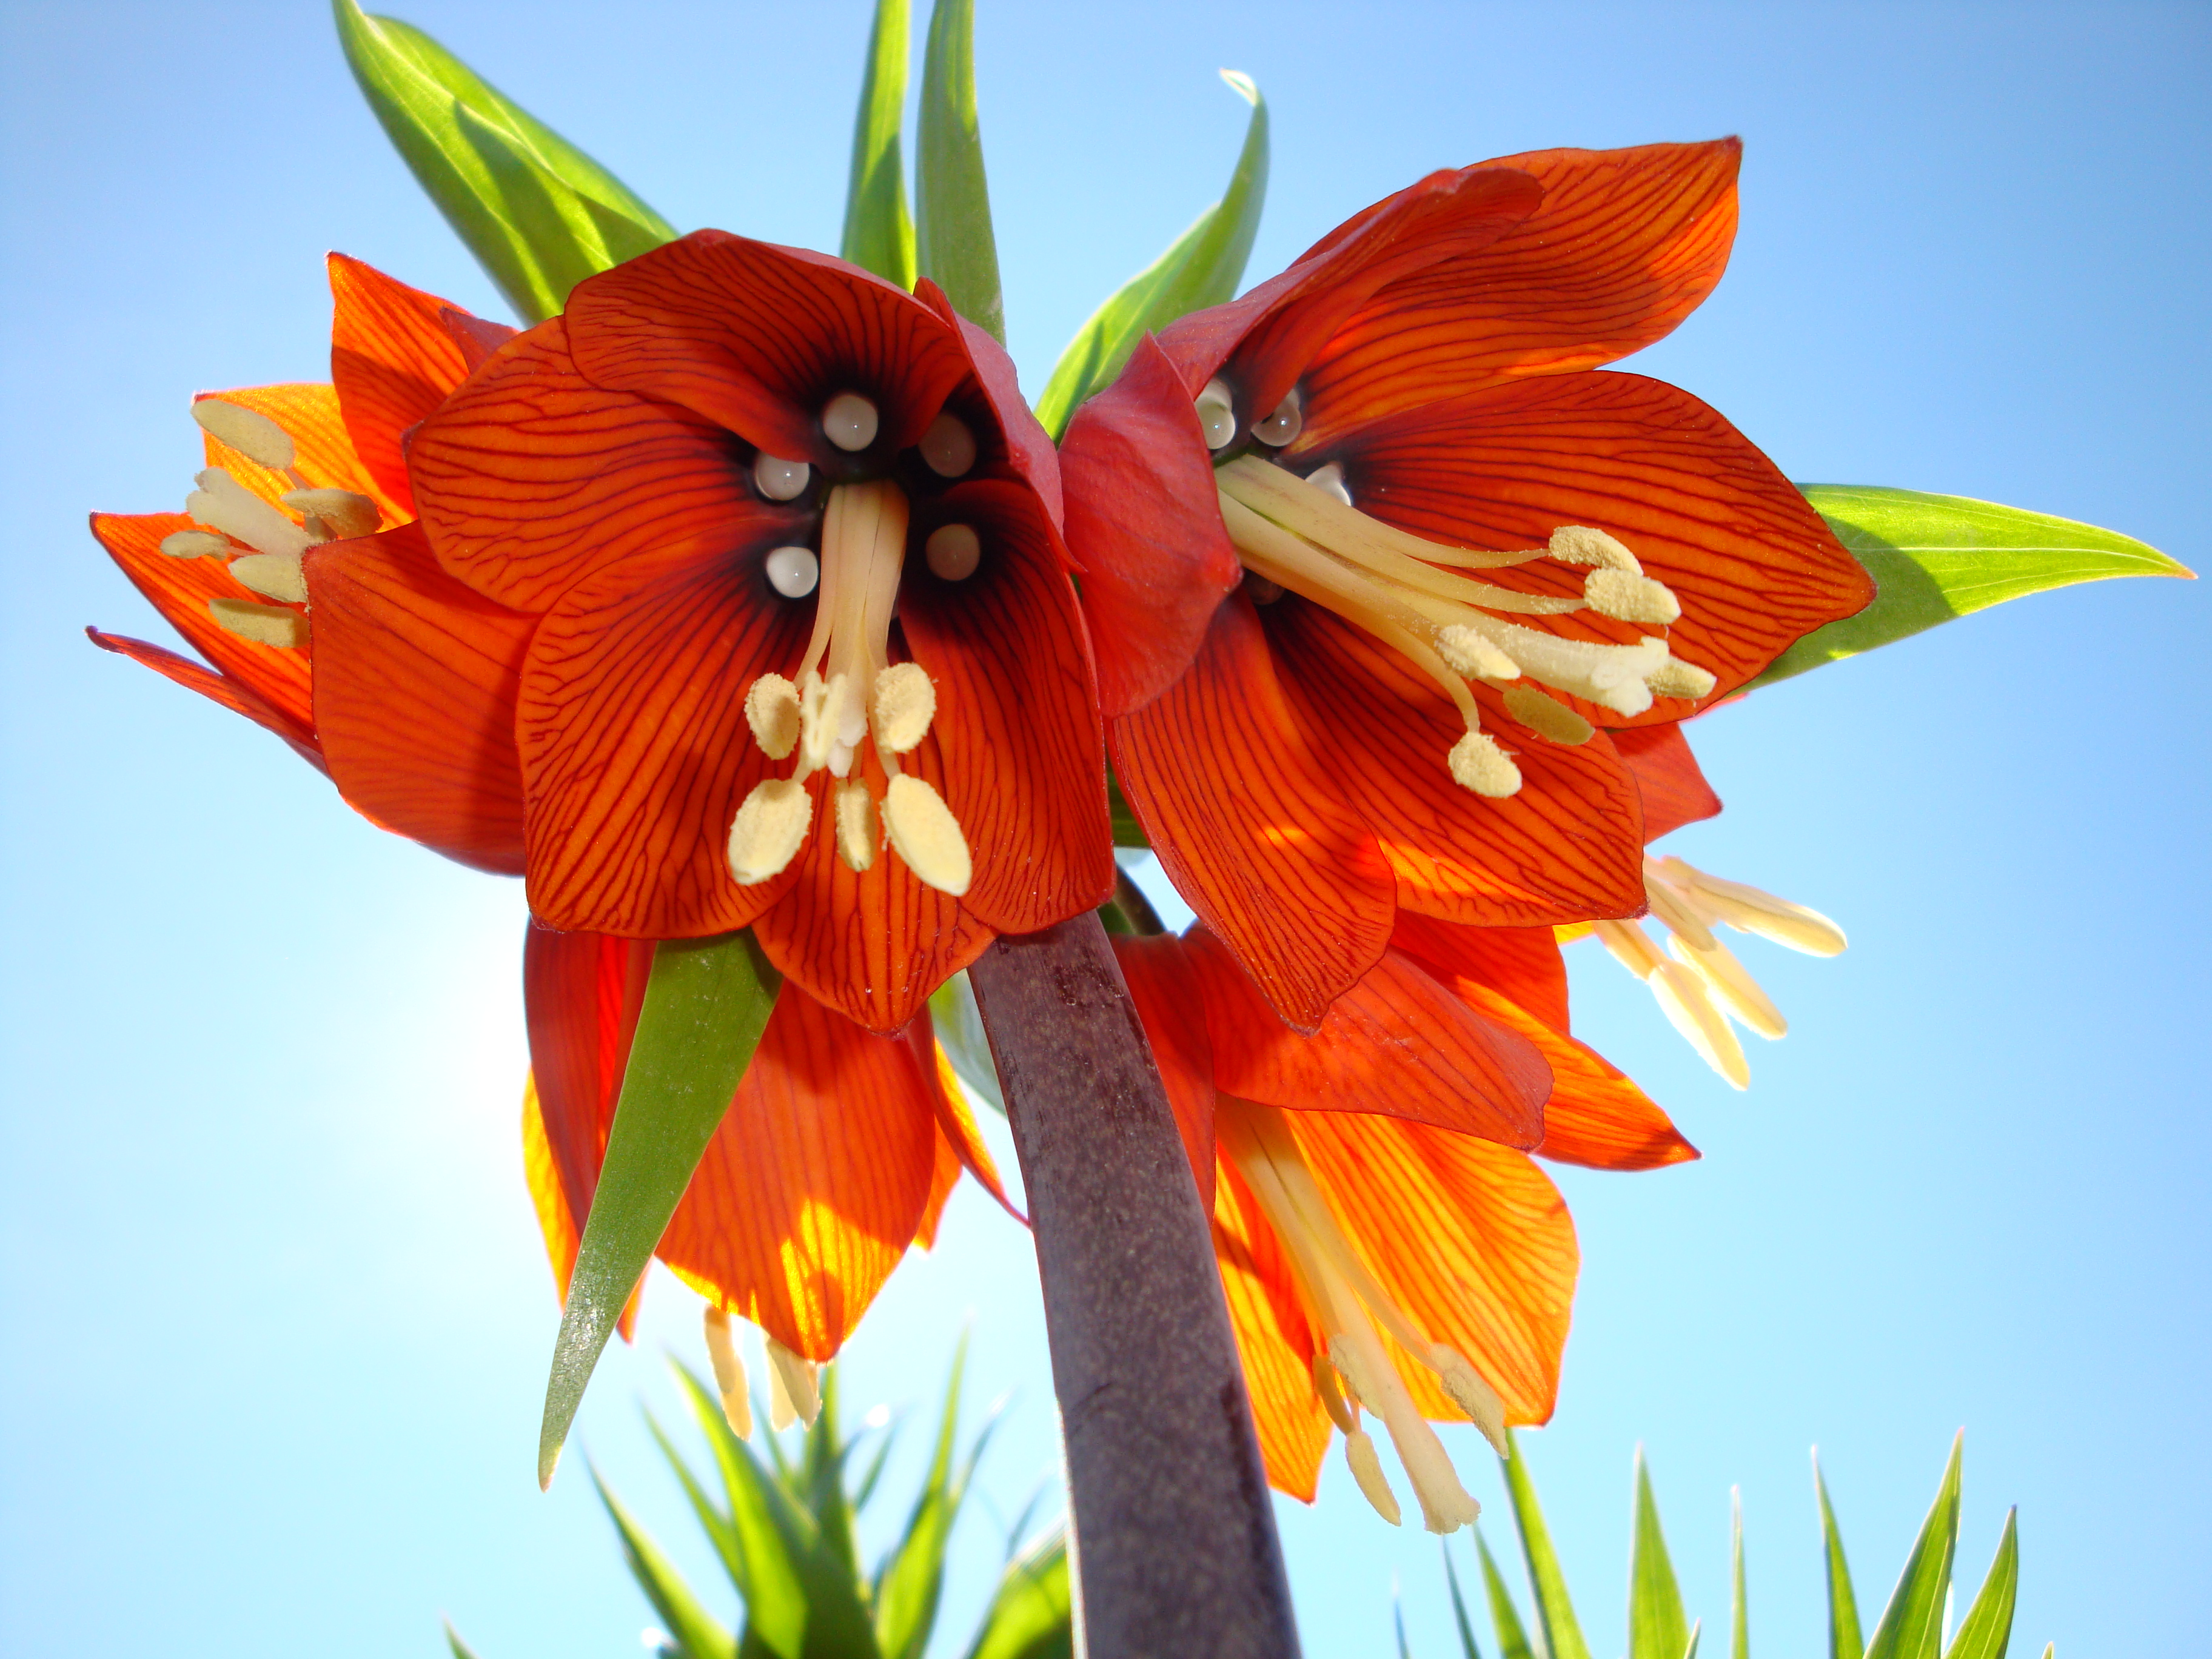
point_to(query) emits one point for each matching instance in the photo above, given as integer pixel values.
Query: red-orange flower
(789, 540)
(1385, 1239)
(1372, 554)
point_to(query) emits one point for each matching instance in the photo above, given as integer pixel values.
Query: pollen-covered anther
(772, 711)
(1366, 1467)
(1546, 716)
(794, 1395)
(251, 434)
(1677, 678)
(769, 830)
(850, 421)
(1216, 415)
(856, 825)
(904, 703)
(1471, 1395)
(194, 545)
(948, 449)
(343, 513)
(264, 625)
(1284, 424)
(778, 479)
(1477, 764)
(952, 552)
(275, 575)
(1627, 598)
(1469, 654)
(729, 1373)
(223, 503)
(1578, 544)
(923, 832)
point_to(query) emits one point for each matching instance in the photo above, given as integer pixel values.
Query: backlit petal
(556, 1221)
(956, 1124)
(392, 359)
(1165, 989)
(1273, 1339)
(1030, 454)
(1673, 790)
(580, 996)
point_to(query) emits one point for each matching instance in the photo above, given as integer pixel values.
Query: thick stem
(1177, 1552)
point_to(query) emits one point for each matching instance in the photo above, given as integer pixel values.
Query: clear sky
(277, 1319)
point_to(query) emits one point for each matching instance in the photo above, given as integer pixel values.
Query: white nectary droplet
(1216, 417)
(849, 420)
(948, 446)
(1284, 424)
(953, 551)
(792, 571)
(778, 479)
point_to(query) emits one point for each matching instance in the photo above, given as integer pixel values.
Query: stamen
(264, 625)
(1471, 1395)
(856, 826)
(223, 503)
(1624, 597)
(850, 421)
(344, 514)
(1611, 676)
(1477, 764)
(1471, 654)
(1216, 415)
(194, 545)
(924, 833)
(948, 449)
(793, 572)
(1728, 979)
(1546, 717)
(251, 434)
(952, 552)
(1330, 480)
(1323, 517)
(276, 575)
(1751, 910)
(1576, 543)
(905, 703)
(794, 1395)
(1678, 915)
(1682, 997)
(1284, 424)
(772, 711)
(1332, 1398)
(778, 479)
(729, 1373)
(1360, 1456)
(769, 829)
(1677, 678)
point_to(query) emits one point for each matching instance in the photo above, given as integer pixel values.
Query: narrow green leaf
(460, 1649)
(1200, 268)
(822, 1477)
(959, 1025)
(1512, 1638)
(1935, 557)
(1696, 1631)
(1739, 1607)
(1844, 1639)
(953, 242)
(1658, 1628)
(1398, 1614)
(1988, 1630)
(1563, 1633)
(1127, 831)
(878, 234)
(1469, 1647)
(1032, 1615)
(697, 1634)
(912, 1577)
(706, 1004)
(720, 1532)
(1911, 1626)
(770, 1534)
(539, 215)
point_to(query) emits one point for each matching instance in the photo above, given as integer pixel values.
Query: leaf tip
(1243, 85)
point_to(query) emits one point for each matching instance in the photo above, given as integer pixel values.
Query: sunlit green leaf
(539, 215)
(1911, 1626)
(878, 234)
(958, 1024)
(768, 1533)
(1563, 1633)
(459, 1649)
(705, 1004)
(1200, 268)
(953, 242)
(1658, 1628)
(1844, 1641)
(1987, 1632)
(1739, 1609)
(912, 1577)
(696, 1633)
(1398, 1613)
(1697, 1633)
(1031, 1616)
(1469, 1647)
(1512, 1638)
(1936, 557)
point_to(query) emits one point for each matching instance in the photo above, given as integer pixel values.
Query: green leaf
(1911, 1626)
(1127, 831)
(539, 215)
(959, 1025)
(1739, 1609)
(1935, 557)
(1469, 1648)
(1512, 1639)
(705, 1004)
(770, 1535)
(1398, 1614)
(697, 1634)
(1844, 1639)
(912, 1577)
(1988, 1630)
(1563, 1633)
(460, 1649)
(1032, 1615)
(1201, 268)
(953, 241)
(878, 234)
(1696, 1630)
(1658, 1628)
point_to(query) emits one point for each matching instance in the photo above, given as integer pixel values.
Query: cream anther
(1330, 480)
(253, 435)
(769, 829)
(1728, 979)
(856, 826)
(904, 703)
(1471, 654)
(1477, 764)
(923, 832)
(850, 421)
(277, 575)
(264, 625)
(778, 479)
(1471, 1395)
(1546, 716)
(344, 514)
(1752, 910)
(194, 545)
(793, 1393)
(952, 552)
(1284, 424)
(729, 1373)
(1682, 997)
(1576, 543)
(1360, 1456)
(793, 572)
(1675, 909)
(1677, 678)
(1216, 415)
(948, 449)
(223, 503)
(1624, 598)
(772, 710)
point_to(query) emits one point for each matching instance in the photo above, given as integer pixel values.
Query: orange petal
(1030, 453)
(1251, 826)
(1273, 1339)
(955, 1125)
(181, 589)
(1522, 964)
(323, 449)
(874, 943)
(1165, 989)
(1396, 1043)
(1626, 244)
(392, 359)
(635, 754)
(581, 997)
(1753, 564)
(1566, 846)
(1143, 526)
(546, 1197)
(217, 688)
(1673, 790)
(416, 681)
(1470, 1240)
(530, 478)
(757, 339)
(1016, 715)
(944, 1176)
(815, 1184)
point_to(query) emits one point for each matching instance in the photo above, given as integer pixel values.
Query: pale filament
(1345, 1302)
(729, 1373)
(1699, 984)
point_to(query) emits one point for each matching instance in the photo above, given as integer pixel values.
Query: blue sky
(276, 1315)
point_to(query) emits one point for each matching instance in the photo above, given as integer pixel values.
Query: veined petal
(956, 1124)
(1144, 529)
(1754, 565)
(1016, 717)
(1165, 989)
(530, 478)
(1030, 455)
(1397, 1043)
(217, 688)
(416, 681)
(323, 450)
(1272, 1338)
(944, 1176)
(393, 359)
(636, 753)
(1626, 243)
(1251, 826)
(548, 1200)
(581, 997)
(1674, 789)
(757, 339)
(814, 1185)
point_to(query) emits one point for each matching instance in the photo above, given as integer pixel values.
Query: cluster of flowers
(747, 593)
